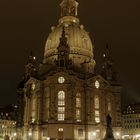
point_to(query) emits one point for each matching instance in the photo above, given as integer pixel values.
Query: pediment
(100, 79)
(69, 78)
(32, 81)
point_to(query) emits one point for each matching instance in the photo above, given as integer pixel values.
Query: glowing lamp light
(15, 134)
(74, 20)
(34, 57)
(94, 133)
(60, 129)
(138, 135)
(48, 138)
(117, 134)
(30, 134)
(125, 136)
(104, 55)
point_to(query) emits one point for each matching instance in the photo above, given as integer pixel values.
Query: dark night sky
(25, 25)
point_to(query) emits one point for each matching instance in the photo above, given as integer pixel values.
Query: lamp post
(48, 138)
(14, 135)
(118, 135)
(94, 135)
(29, 135)
(97, 128)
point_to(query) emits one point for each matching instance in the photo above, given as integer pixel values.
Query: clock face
(61, 80)
(97, 84)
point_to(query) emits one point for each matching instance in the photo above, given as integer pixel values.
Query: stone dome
(81, 48)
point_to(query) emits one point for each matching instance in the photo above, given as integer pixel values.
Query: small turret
(107, 67)
(30, 70)
(30, 67)
(69, 8)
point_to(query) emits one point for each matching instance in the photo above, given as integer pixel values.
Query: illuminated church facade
(63, 98)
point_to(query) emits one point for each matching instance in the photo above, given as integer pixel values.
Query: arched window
(61, 105)
(78, 100)
(109, 106)
(97, 108)
(33, 111)
(47, 103)
(61, 98)
(78, 107)
(96, 100)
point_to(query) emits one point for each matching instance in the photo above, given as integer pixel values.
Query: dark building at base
(8, 122)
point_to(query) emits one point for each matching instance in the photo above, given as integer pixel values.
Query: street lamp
(15, 134)
(30, 134)
(117, 135)
(94, 135)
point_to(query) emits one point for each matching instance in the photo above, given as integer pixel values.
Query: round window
(61, 80)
